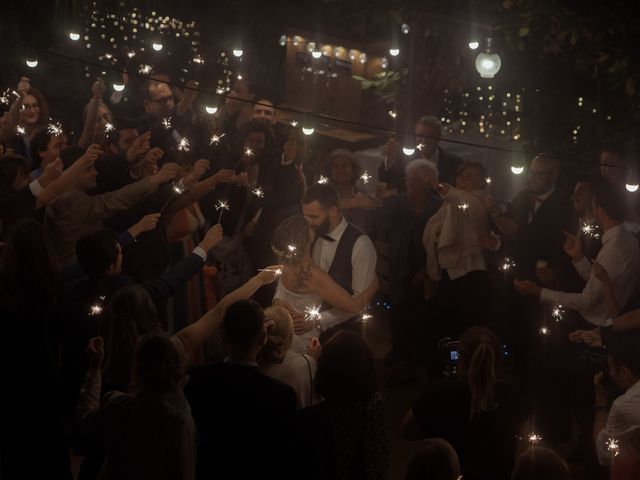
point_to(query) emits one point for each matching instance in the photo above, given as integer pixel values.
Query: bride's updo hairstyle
(279, 327)
(291, 240)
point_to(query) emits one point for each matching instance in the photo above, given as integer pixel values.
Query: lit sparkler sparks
(294, 123)
(177, 189)
(96, 308)
(108, 127)
(5, 98)
(463, 207)
(55, 129)
(420, 146)
(20, 130)
(220, 90)
(312, 313)
(276, 270)
(222, 206)
(184, 145)
(365, 177)
(144, 69)
(557, 312)
(166, 123)
(613, 447)
(507, 265)
(292, 248)
(366, 317)
(545, 331)
(590, 230)
(248, 151)
(258, 192)
(215, 139)
(534, 438)
(322, 180)
(392, 114)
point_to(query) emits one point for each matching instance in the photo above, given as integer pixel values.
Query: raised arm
(193, 336)
(97, 89)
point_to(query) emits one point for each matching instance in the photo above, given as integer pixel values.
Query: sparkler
(96, 308)
(507, 265)
(534, 438)
(322, 180)
(276, 270)
(294, 123)
(365, 177)
(5, 98)
(177, 191)
(590, 230)
(220, 90)
(215, 139)
(292, 248)
(20, 130)
(166, 123)
(184, 145)
(222, 206)
(258, 192)
(420, 146)
(545, 331)
(108, 127)
(613, 447)
(248, 152)
(312, 313)
(392, 114)
(557, 312)
(463, 207)
(55, 129)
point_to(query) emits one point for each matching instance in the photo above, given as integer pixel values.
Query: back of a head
(323, 193)
(97, 251)
(479, 352)
(243, 324)
(279, 329)
(294, 232)
(612, 199)
(130, 314)
(435, 460)
(39, 143)
(10, 167)
(540, 463)
(158, 366)
(346, 372)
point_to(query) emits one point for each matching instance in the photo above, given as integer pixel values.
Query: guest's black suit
(541, 359)
(394, 177)
(245, 422)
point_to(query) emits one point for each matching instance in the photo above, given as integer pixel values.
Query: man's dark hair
(243, 323)
(624, 350)
(39, 143)
(346, 373)
(479, 167)
(96, 251)
(612, 199)
(159, 367)
(323, 193)
(430, 121)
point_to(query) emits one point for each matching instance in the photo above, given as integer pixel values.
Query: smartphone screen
(453, 355)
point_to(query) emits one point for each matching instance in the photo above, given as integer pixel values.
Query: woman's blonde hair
(279, 327)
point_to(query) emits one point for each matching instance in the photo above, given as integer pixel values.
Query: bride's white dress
(299, 301)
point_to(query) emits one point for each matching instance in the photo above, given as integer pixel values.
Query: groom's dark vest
(341, 270)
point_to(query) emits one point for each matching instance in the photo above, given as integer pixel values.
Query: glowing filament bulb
(184, 145)
(308, 130)
(166, 122)
(631, 187)
(323, 180)
(210, 110)
(215, 139)
(157, 46)
(394, 52)
(258, 192)
(74, 36)
(365, 177)
(237, 52)
(517, 169)
(312, 312)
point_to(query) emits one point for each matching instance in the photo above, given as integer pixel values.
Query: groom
(342, 250)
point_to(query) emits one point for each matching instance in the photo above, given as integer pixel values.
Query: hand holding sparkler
(146, 224)
(527, 288)
(23, 86)
(199, 169)
(139, 147)
(573, 247)
(221, 206)
(95, 352)
(269, 274)
(52, 172)
(150, 162)
(590, 338)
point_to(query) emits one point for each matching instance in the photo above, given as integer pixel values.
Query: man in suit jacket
(245, 419)
(428, 133)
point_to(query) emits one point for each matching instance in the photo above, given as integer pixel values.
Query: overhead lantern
(488, 63)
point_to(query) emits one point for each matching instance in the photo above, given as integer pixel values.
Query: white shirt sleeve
(201, 253)
(583, 267)
(590, 296)
(36, 188)
(363, 264)
(617, 425)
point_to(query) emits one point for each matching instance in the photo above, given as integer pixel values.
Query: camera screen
(453, 355)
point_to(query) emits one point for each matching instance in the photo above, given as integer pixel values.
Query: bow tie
(326, 237)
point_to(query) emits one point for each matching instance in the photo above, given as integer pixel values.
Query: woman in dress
(304, 287)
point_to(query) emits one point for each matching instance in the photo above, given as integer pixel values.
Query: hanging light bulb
(474, 44)
(632, 181)
(31, 61)
(210, 109)
(394, 51)
(118, 86)
(237, 52)
(75, 36)
(315, 52)
(517, 167)
(408, 150)
(307, 127)
(488, 63)
(282, 40)
(157, 46)
(404, 28)
(363, 57)
(311, 46)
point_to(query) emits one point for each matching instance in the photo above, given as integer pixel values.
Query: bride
(304, 288)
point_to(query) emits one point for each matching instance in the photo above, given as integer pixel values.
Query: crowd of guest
(186, 296)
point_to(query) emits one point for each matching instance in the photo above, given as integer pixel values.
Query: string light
(74, 36)
(394, 52)
(473, 45)
(392, 114)
(408, 151)
(157, 46)
(308, 130)
(237, 52)
(118, 86)
(210, 110)
(404, 28)
(31, 62)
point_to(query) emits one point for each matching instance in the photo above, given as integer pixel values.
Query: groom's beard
(323, 228)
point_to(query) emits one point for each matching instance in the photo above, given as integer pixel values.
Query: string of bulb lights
(517, 166)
